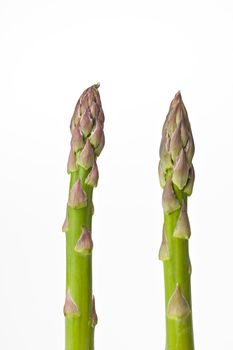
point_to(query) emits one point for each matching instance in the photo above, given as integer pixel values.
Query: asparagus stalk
(87, 142)
(176, 176)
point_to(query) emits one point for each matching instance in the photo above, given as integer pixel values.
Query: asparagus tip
(178, 94)
(97, 85)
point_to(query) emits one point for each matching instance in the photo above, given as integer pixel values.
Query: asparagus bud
(182, 228)
(77, 142)
(86, 123)
(94, 318)
(93, 176)
(84, 245)
(176, 175)
(189, 186)
(178, 307)
(87, 142)
(100, 146)
(164, 249)
(86, 157)
(96, 134)
(70, 308)
(169, 201)
(71, 165)
(77, 196)
(65, 225)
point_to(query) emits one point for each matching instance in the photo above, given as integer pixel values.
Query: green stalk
(176, 175)
(87, 143)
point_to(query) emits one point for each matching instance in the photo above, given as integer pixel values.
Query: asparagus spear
(87, 142)
(176, 176)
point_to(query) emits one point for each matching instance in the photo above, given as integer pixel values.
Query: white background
(142, 52)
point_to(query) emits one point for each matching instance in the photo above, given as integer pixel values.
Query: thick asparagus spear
(87, 142)
(176, 176)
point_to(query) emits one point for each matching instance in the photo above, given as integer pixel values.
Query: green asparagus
(87, 142)
(176, 176)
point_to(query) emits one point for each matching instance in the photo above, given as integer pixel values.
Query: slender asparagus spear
(176, 176)
(87, 142)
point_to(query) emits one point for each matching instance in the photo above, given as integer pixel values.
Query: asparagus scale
(176, 175)
(87, 142)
